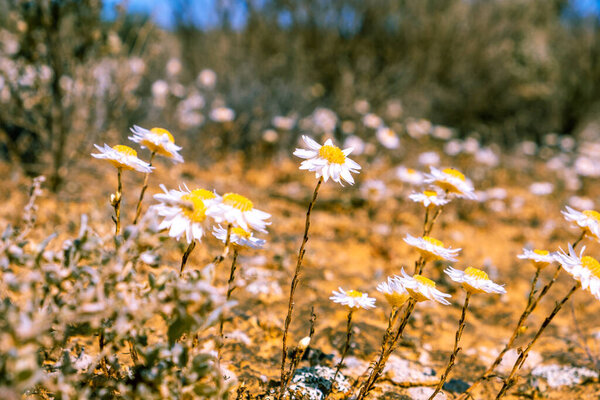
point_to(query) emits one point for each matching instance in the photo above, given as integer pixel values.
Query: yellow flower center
(592, 265)
(333, 154)
(476, 273)
(541, 252)
(595, 215)
(454, 173)
(354, 293)
(162, 131)
(196, 212)
(433, 241)
(238, 201)
(240, 232)
(411, 171)
(424, 281)
(128, 151)
(430, 193)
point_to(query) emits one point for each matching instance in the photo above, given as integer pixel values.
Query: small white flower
(157, 140)
(394, 292)
(122, 157)
(432, 249)
(409, 175)
(239, 210)
(328, 161)
(372, 121)
(474, 280)
(353, 299)
(422, 289)
(184, 211)
(588, 220)
(429, 198)
(541, 188)
(387, 137)
(539, 258)
(238, 237)
(584, 269)
(452, 181)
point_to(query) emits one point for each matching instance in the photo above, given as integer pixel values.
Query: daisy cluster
(189, 213)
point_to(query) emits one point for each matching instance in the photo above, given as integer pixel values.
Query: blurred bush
(504, 70)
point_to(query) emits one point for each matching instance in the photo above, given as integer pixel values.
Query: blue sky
(204, 14)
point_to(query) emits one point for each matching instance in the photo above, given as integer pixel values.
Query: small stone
(560, 375)
(456, 386)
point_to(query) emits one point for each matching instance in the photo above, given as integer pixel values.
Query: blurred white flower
(356, 143)
(222, 114)
(409, 175)
(452, 181)
(442, 132)
(541, 188)
(539, 258)
(207, 78)
(429, 158)
(361, 106)
(373, 189)
(418, 128)
(324, 119)
(394, 292)
(284, 123)
(584, 269)
(372, 121)
(173, 66)
(429, 198)
(588, 220)
(387, 137)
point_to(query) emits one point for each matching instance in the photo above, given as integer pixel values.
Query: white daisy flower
(409, 175)
(238, 237)
(429, 198)
(432, 249)
(239, 210)
(353, 299)
(588, 220)
(157, 140)
(394, 292)
(222, 114)
(122, 157)
(184, 211)
(584, 269)
(452, 181)
(539, 258)
(474, 280)
(422, 289)
(387, 137)
(328, 161)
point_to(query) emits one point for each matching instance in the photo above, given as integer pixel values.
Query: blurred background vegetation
(501, 70)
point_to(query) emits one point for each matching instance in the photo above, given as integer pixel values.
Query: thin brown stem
(186, 255)
(385, 353)
(300, 349)
(459, 331)
(511, 380)
(579, 239)
(387, 337)
(293, 286)
(138, 208)
(419, 265)
(230, 289)
(427, 230)
(115, 202)
(344, 352)
(101, 345)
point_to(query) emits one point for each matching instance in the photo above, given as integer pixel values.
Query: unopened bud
(303, 344)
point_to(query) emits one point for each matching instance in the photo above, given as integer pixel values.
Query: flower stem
(293, 286)
(386, 352)
(186, 255)
(230, 289)
(219, 259)
(459, 331)
(138, 209)
(344, 352)
(427, 228)
(115, 201)
(511, 380)
(532, 303)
